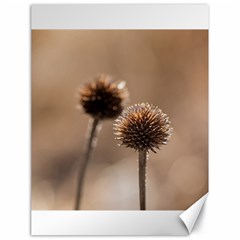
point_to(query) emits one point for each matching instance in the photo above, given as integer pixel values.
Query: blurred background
(168, 68)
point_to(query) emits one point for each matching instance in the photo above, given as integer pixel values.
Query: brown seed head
(103, 98)
(143, 127)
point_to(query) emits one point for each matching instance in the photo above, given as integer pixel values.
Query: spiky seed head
(143, 127)
(103, 98)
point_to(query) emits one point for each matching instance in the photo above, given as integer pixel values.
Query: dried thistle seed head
(143, 127)
(103, 98)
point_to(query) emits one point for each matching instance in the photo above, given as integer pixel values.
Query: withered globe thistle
(103, 98)
(143, 127)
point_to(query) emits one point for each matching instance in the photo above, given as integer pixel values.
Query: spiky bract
(103, 98)
(143, 127)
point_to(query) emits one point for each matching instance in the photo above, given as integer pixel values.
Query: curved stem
(142, 163)
(91, 143)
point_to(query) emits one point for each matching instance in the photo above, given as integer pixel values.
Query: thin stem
(142, 163)
(91, 138)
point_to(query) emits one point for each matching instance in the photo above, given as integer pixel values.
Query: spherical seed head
(143, 127)
(103, 98)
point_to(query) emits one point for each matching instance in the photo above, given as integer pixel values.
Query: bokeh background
(168, 68)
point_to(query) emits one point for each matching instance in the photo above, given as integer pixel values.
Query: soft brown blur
(168, 68)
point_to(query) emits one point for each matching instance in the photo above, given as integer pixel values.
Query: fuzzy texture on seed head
(103, 98)
(143, 127)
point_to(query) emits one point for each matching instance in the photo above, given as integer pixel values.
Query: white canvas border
(95, 223)
(119, 16)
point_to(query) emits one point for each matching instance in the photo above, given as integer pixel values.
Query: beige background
(168, 68)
